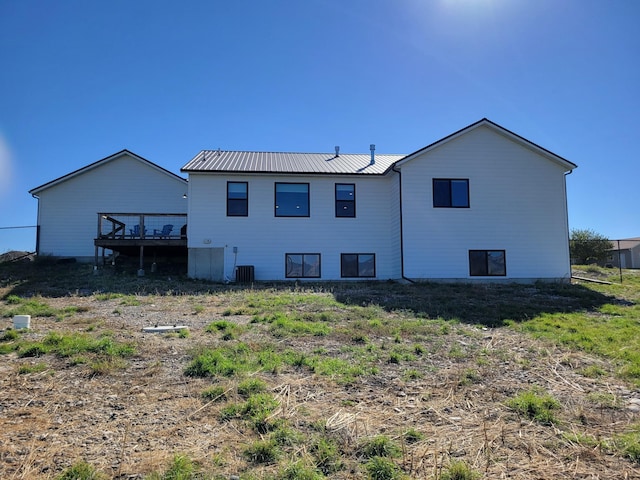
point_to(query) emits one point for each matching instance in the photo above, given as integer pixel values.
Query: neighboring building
(625, 253)
(480, 204)
(74, 208)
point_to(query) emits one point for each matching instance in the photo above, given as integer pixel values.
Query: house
(482, 204)
(625, 253)
(103, 202)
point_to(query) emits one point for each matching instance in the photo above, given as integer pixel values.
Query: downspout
(566, 216)
(37, 226)
(401, 226)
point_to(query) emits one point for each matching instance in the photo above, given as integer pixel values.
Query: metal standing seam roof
(294, 163)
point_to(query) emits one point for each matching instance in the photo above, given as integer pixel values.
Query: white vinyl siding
(262, 240)
(68, 211)
(517, 204)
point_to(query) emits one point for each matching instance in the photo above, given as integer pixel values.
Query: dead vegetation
(421, 371)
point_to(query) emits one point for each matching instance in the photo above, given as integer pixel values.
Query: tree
(588, 246)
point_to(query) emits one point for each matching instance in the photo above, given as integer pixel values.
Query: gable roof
(99, 163)
(225, 161)
(626, 243)
(485, 122)
(284, 162)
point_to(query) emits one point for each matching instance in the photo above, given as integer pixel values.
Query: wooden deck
(163, 235)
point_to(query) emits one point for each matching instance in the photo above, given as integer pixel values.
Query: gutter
(401, 226)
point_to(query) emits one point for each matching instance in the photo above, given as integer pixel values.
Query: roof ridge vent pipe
(337, 147)
(373, 154)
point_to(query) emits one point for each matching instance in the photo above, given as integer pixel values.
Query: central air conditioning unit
(244, 274)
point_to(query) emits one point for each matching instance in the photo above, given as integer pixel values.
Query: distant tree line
(587, 246)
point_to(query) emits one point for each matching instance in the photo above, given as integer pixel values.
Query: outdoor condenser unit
(244, 274)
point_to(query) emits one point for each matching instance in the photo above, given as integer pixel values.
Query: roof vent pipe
(337, 147)
(373, 155)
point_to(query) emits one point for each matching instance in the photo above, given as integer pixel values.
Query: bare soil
(129, 422)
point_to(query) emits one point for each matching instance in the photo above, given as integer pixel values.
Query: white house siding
(68, 211)
(262, 240)
(517, 204)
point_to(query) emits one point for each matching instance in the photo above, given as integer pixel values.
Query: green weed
(299, 471)
(379, 446)
(216, 392)
(381, 468)
(327, 456)
(81, 471)
(263, 451)
(251, 386)
(536, 406)
(459, 471)
(181, 468)
(32, 368)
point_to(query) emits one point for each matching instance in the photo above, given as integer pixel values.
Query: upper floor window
(292, 200)
(237, 199)
(487, 263)
(357, 265)
(345, 200)
(452, 193)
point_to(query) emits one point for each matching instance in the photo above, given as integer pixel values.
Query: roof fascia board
(287, 174)
(99, 163)
(498, 129)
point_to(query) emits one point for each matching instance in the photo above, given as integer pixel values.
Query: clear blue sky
(81, 80)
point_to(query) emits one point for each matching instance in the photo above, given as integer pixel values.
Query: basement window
(487, 263)
(302, 265)
(357, 265)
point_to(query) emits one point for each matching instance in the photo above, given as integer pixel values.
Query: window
(292, 200)
(357, 265)
(452, 193)
(237, 199)
(345, 200)
(487, 263)
(302, 265)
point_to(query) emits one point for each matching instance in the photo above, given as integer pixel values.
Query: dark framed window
(487, 263)
(357, 265)
(451, 192)
(302, 265)
(345, 200)
(292, 200)
(237, 199)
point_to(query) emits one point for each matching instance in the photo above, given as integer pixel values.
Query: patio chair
(165, 232)
(135, 231)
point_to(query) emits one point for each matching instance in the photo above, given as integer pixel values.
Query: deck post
(95, 264)
(141, 269)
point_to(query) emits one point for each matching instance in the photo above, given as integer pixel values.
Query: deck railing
(142, 225)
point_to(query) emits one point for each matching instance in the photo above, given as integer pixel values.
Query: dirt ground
(132, 421)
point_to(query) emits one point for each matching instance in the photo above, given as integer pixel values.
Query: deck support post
(95, 263)
(141, 269)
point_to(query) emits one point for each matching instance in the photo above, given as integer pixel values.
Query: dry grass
(129, 422)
